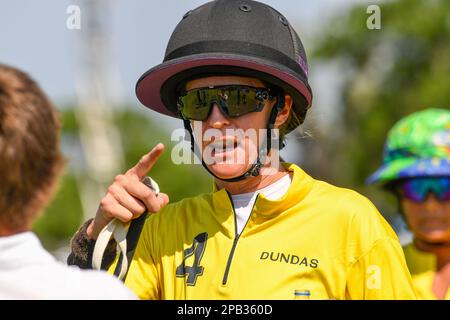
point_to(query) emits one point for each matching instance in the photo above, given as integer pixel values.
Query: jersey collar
(300, 186)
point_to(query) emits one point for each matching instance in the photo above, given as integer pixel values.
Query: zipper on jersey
(236, 237)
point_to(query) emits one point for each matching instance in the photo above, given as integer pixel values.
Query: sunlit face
(428, 220)
(222, 146)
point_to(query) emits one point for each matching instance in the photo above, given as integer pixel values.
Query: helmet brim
(157, 88)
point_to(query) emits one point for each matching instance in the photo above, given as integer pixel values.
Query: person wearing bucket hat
(260, 234)
(416, 168)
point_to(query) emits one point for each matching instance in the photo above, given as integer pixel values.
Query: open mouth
(223, 148)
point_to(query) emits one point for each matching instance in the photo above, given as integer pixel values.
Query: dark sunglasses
(417, 189)
(234, 101)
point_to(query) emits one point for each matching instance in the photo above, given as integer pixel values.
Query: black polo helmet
(230, 37)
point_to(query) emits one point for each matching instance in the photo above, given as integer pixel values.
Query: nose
(217, 119)
(432, 203)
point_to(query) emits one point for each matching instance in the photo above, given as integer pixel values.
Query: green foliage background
(387, 74)
(139, 133)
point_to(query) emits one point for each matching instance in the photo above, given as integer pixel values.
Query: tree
(388, 73)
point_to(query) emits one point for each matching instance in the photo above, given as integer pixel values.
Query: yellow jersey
(422, 266)
(318, 241)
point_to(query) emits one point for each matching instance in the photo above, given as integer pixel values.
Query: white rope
(118, 230)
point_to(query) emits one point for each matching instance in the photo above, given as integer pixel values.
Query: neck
(440, 250)
(441, 279)
(251, 184)
(6, 232)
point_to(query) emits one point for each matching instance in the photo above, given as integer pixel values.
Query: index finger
(147, 161)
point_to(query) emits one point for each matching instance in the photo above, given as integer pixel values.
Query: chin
(436, 237)
(228, 171)
(229, 164)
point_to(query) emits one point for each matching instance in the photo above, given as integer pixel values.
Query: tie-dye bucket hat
(416, 146)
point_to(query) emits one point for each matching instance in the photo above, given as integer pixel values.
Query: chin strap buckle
(254, 171)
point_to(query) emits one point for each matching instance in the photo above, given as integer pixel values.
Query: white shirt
(28, 271)
(243, 203)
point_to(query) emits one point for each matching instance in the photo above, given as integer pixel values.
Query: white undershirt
(243, 203)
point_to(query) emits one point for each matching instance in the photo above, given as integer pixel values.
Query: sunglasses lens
(413, 191)
(234, 101)
(240, 101)
(195, 105)
(445, 193)
(418, 189)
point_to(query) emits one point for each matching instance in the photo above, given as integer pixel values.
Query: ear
(283, 115)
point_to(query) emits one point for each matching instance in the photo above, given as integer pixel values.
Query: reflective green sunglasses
(417, 189)
(234, 101)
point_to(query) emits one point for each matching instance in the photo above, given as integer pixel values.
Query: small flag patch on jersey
(302, 294)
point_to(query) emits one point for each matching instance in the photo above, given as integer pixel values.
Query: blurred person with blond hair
(30, 164)
(416, 169)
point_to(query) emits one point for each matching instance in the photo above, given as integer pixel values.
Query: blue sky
(34, 36)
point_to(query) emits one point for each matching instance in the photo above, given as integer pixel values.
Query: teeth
(220, 144)
(220, 147)
(223, 150)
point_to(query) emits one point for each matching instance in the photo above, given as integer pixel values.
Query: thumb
(163, 199)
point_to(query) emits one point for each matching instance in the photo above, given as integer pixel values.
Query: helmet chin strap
(255, 169)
